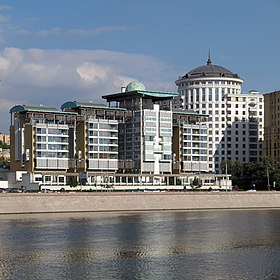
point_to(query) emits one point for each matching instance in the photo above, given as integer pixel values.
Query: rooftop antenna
(209, 61)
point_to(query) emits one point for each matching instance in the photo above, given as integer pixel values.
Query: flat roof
(76, 105)
(156, 95)
(188, 112)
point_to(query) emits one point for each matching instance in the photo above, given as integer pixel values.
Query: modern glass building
(145, 136)
(96, 136)
(138, 140)
(190, 142)
(40, 139)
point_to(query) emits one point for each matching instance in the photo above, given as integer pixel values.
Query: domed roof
(210, 70)
(135, 85)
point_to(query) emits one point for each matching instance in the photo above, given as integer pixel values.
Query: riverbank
(22, 203)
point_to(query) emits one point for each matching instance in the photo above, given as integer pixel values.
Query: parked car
(47, 191)
(14, 190)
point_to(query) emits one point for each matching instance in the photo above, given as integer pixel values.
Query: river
(239, 244)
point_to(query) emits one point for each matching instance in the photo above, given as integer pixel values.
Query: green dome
(135, 86)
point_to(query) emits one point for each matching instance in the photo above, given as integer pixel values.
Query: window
(47, 178)
(61, 180)
(216, 94)
(203, 94)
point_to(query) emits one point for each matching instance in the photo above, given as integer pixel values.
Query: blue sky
(59, 50)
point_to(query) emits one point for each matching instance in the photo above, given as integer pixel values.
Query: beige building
(41, 140)
(272, 126)
(5, 138)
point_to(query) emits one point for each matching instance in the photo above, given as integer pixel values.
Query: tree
(237, 168)
(4, 145)
(73, 182)
(196, 182)
(226, 166)
(4, 163)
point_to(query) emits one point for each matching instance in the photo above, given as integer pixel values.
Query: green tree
(72, 181)
(237, 168)
(226, 166)
(4, 145)
(4, 163)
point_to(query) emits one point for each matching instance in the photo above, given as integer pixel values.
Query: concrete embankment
(104, 202)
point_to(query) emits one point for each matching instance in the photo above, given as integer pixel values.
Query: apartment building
(190, 142)
(96, 136)
(235, 127)
(145, 136)
(272, 126)
(139, 138)
(41, 140)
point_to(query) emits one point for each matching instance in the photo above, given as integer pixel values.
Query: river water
(150, 245)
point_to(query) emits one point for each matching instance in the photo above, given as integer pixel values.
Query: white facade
(50, 146)
(215, 91)
(102, 144)
(194, 152)
(157, 141)
(145, 134)
(191, 137)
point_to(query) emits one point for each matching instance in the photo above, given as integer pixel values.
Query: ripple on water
(173, 245)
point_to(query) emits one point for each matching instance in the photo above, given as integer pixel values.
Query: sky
(65, 50)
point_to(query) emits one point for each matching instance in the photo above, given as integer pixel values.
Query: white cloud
(25, 27)
(4, 19)
(52, 77)
(76, 32)
(4, 8)
(94, 31)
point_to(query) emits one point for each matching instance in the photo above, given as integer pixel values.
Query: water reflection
(156, 245)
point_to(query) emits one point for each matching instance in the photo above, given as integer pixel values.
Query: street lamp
(268, 183)
(226, 177)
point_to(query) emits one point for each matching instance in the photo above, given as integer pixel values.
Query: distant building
(5, 138)
(235, 127)
(272, 126)
(5, 154)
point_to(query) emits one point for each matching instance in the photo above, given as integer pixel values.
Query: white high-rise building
(235, 127)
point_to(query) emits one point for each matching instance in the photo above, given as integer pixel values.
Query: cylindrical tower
(205, 89)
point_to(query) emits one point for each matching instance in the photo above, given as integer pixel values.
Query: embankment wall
(104, 202)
